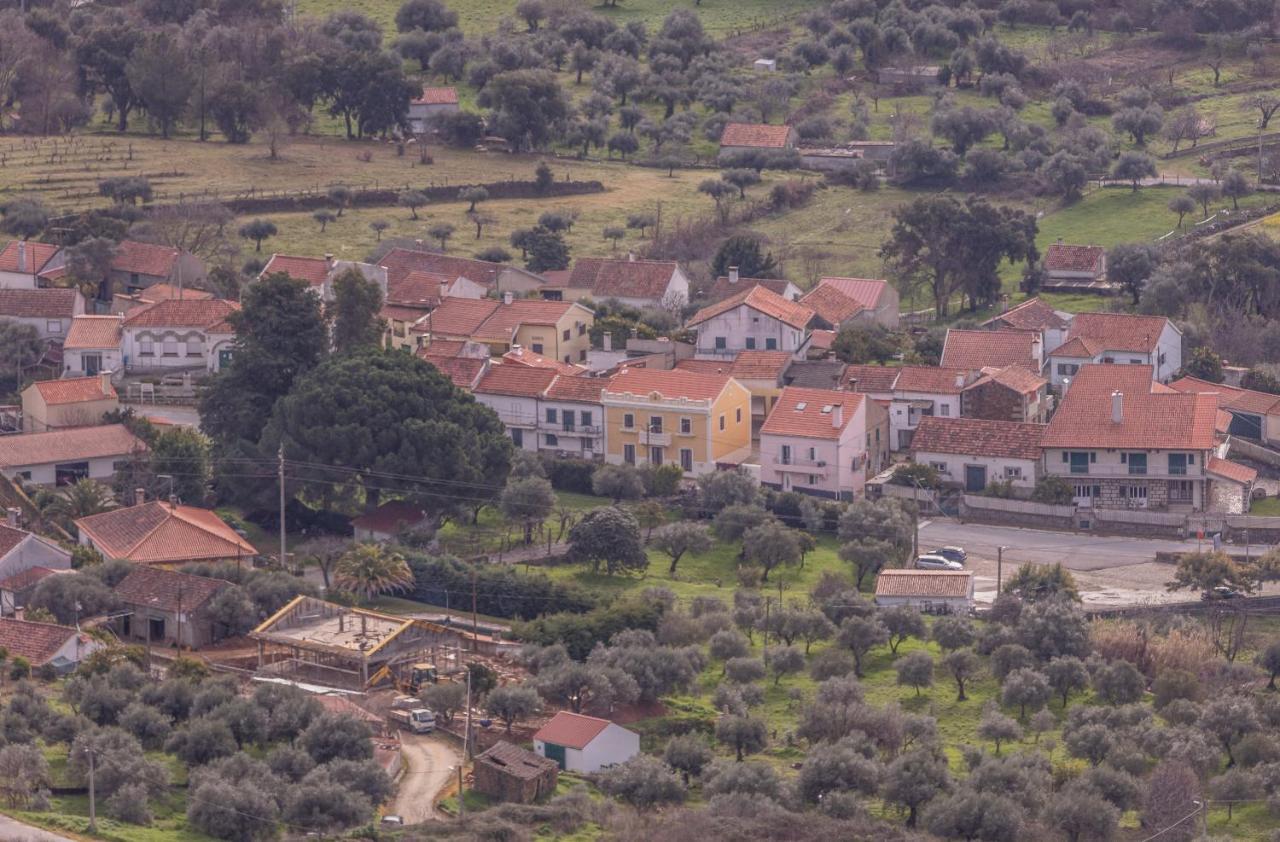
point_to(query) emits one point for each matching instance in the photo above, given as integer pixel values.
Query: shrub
(130, 804)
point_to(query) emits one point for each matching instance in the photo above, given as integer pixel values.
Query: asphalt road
(12, 830)
(1076, 551)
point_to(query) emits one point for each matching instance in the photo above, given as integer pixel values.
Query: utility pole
(475, 623)
(999, 569)
(280, 462)
(466, 748)
(93, 802)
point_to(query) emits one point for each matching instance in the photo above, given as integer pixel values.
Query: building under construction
(318, 642)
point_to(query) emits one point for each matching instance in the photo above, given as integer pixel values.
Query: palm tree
(83, 498)
(370, 569)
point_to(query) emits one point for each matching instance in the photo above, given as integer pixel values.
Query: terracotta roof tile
(11, 537)
(52, 303)
(37, 642)
(437, 96)
(1151, 419)
(313, 270)
(606, 278)
(760, 365)
(931, 379)
(1063, 257)
(390, 517)
(515, 380)
(821, 340)
(184, 313)
(763, 301)
(1013, 377)
(865, 291)
(1076, 348)
(75, 445)
(158, 532)
(816, 374)
(669, 384)
(144, 259)
(722, 287)
(74, 390)
(26, 257)
(167, 590)
(515, 761)
(463, 371)
(1032, 314)
(93, 332)
(571, 730)
(1231, 397)
(398, 313)
(503, 323)
(25, 579)
(978, 437)
(1233, 471)
(978, 349)
(1118, 331)
(871, 379)
(832, 305)
(164, 292)
(759, 135)
(418, 289)
(577, 388)
(460, 317)
(400, 262)
(523, 356)
(941, 584)
(811, 413)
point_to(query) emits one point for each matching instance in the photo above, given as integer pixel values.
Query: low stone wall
(1001, 512)
(388, 197)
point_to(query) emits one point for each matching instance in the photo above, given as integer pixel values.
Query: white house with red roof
(754, 319)
(585, 744)
(431, 103)
(23, 557)
(21, 262)
(49, 311)
(137, 266)
(1254, 415)
(546, 410)
(60, 457)
(646, 284)
(163, 533)
(180, 334)
(756, 137)
(842, 301)
(1119, 338)
(496, 278)
(974, 350)
(1075, 267)
(47, 644)
(974, 452)
(72, 402)
(1036, 316)
(93, 345)
(823, 443)
(930, 591)
(911, 393)
(732, 284)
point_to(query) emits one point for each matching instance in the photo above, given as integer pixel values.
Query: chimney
(1059, 241)
(1117, 407)
(837, 416)
(733, 274)
(959, 381)
(328, 262)
(139, 496)
(105, 378)
(12, 516)
(1037, 349)
(507, 298)
(631, 257)
(517, 350)
(22, 255)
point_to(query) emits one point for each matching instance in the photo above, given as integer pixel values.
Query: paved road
(430, 763)
(12, 830)
(1076, 551)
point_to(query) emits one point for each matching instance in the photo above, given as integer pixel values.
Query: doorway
(975, 478)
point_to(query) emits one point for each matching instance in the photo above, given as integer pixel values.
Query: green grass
(70, 814)
(1267, 507)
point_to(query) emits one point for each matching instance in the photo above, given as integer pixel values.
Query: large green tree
(610, 536)
(356, 302)
(161, 78)
(524, 106)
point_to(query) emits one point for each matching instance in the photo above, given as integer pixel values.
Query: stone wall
(991, 401)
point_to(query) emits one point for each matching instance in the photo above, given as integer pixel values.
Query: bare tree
(1267, 103)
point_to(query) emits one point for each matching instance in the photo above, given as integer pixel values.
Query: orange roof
(1231, 397)
(461, 316)
(871, 378)
(29, 257)
(762, 300)
(944, 584)
(865, 291)
(722, 287)
(515, 380)
(1013, 377)
(36, 642)
(506, 319)
(931, 379)
(182, 313)
(571, 730)
(93, 332)
(1151, 418)
(1117, 332)
(418, 289)
(755, 134)
(162, 533)
(760, 365)
(1032, 314)
(437, 96)
(669, 384)
(831, 304)
(611, 278)
(11, 537)
(168, 590)
(400, 262)
(463, 371)
(523, 356)
(811, 413)
(313, 270)
(74, 445)
(978, 437)
(27, 578)
(577, 388)
(144, 259)
(1063, 257)
(978, 349)
(74, 390)
(1233, 471)
(52, 303)
(822, 340)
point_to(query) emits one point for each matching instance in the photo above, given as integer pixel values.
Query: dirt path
(429, 763)
(12, 830)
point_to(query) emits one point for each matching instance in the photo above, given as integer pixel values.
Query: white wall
(901, 417)
(103, 468)
(741, 323)
(515, 412)
(589, 444)
(841, 477)
(996, 467)
(73, 361)
(955, 604)
(34, 551)
(17, 280)
(611, 746)
(177, 339)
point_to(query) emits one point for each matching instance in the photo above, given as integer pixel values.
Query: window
(946, 410)
(1011, 472)
(655, 423)
(582, 329)
(784, 454)
(1108, 360)
(586, 418)
(686, 426)
(721, 343)
(587, 445)
(629, 454)
(1181, 491)
(877, 435)
(628, 422)
(567, 335)
(738, 413)
(771, 344)
(940, 467)
(135, 279)
(1178, 463)
(1135, 362)
(536, 347)
(813, 479)
(686, 459)
(517, 437)
(1083, 491)
(655, 456)
(1134, 492)
(1079, 460)
(751, 343)
(813, 454)
(551, 416)
(195, 347)
(722, 423)
(568, 359)
(1137, 462)
(552, 440)
(170, 347)
(146, 348)
(53, 326)
(582, 355)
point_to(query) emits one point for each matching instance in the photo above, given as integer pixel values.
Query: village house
(123, 303)
(974, 350)
(25, 559)
(909, 77)
(168, 608)
(1035, 316)
(585, 744)
(823, 443)
(319, 273)
(21, 262)
(411, 297)
(180, 334)
(1072, 268)
(972, 453)
(1254, 415)
(817, 374)
(16, 590)
(523, 356)
(463, 362)
(1007, 394)
(844, 301)
(763, 373)
(495, 278)
(387, 522)
(49, 311)
(431, 104)
(163, 533)
(506, 772)
(755, 137)
(93, 345)
(1122, 440)
(754, 318)
(928, 591)
(136, 266)
(60, 648)
(728, 285)
(645, 284)
(60, 457)
(696, 421)
(547, 411)
(912, 392)
(73, 402)
(556, 329)
(1120, 338)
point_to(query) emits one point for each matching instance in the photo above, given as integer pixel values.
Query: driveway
(12, 830)
(430, 762)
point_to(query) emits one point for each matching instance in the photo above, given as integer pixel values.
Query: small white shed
(585, 743)
(766, 64)
(930, 591)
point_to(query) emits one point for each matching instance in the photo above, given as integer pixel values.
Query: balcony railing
(575, 430)
(1149, 472)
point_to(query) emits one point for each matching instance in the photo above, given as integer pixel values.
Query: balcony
(516, 419)
(1126, 471)
(816, 467)
(654, 439)
(558, 428)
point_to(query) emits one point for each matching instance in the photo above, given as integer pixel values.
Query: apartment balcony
(1127, 472)
(512, 419)
(817, 467)
(591, 430)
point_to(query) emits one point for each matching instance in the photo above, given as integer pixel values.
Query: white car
(937, 562)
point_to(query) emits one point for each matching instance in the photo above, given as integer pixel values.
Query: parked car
(392, 821)
(1221, 592)
(937, 562)
(956, 554)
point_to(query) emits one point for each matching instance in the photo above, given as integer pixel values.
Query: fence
(1026, 507)
(1227, 145)
(1140, 517)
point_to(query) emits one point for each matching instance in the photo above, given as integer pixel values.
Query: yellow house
(761, 372)
(558, 330)
(686, 418)
(73, 402)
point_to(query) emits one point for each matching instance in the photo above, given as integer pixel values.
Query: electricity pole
(280, 458)
(999, 568)
(93, 803)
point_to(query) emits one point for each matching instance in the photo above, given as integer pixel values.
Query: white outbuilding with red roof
(585, 743)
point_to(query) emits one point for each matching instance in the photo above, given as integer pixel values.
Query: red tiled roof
(506, 319)
(875, 379)
(74, 390)
(463, 371)
(865, 291)
(760, 365)
(182, 313)
(978, 437)
(759, 135)
(606, 278)
(24, 579)
(1032, 314)
(400, 262)
(343, 706)
(831, 304)
(167, 590)
(1062, 257)
(34, 256)
(1118, 331)
(762, 300)
(163, 292)
(515, 380)
(1231, 397)
(93, 332)
(75, 445)
(417, 289)
(978, 349)
(669, 384)
(52, 303)
(722, 287)
(822, 340)
(1077, 348)
(1151, 418)
(10, 538)
(36, 642)
(523, 356)
(512, 760)
(461, 316)
(444, 348)
(398, 313)
(390, 516)
(1233, 471)
(942, 584)
(571, 730)
(313, 270)
(811, 413)
(577, 388)
(931, 379)
(144, 259)
(158, 532)
(1013, 377)
(437, 96)
(705, 366)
